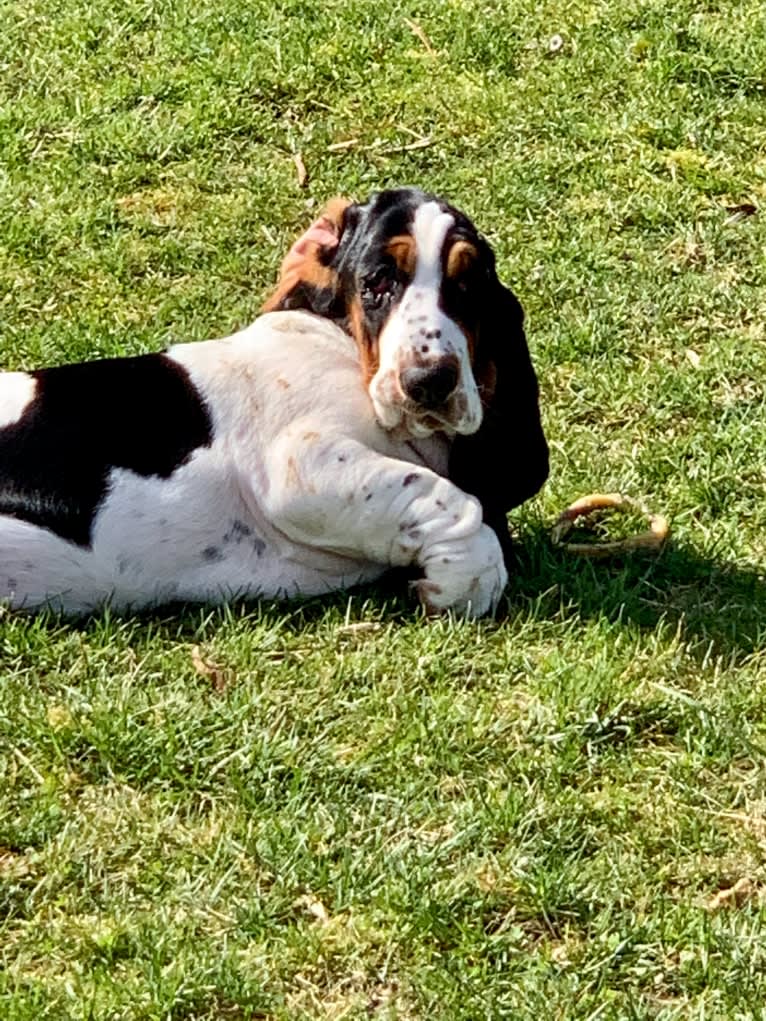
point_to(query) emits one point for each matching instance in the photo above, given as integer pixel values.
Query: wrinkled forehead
(422, 225)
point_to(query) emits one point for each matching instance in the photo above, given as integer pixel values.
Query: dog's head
(441, 341)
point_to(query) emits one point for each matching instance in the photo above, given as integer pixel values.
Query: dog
(382, 412)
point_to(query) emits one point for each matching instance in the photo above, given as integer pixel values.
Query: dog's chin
(404, 416)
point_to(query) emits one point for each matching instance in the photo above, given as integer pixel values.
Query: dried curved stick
(652, 538)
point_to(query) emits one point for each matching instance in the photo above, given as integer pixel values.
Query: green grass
(361, 813)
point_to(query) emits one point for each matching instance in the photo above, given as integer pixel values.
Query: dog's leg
(337, 494)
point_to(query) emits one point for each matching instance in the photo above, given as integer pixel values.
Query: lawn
(340, 809)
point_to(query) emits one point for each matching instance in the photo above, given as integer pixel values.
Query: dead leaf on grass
(313, 907)
(560, 955)
(219, 677)
(13, 864)
(360, 627)
(733, 896)
(693, 357)
(300, 166)
(160, 206)
(347, 143)
(418, 32)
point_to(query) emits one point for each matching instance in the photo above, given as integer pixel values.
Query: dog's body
(303, 494)
(289, 459)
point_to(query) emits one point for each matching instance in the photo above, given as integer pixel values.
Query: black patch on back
(141, 413)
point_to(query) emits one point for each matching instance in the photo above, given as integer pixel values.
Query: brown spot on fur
(292, 478)
(310, 436)
(404, 253)
(283, 384)
(368, 348)
(408, 479)
(461, 257)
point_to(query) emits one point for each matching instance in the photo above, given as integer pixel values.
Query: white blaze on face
(17, 391)
(420, 333)
(429, 230)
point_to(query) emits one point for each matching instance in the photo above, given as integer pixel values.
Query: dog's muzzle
(430, 386)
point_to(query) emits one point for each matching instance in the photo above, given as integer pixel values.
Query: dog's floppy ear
(307, 278)
(506, 461)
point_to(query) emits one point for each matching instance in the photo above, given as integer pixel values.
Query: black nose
(431, 385)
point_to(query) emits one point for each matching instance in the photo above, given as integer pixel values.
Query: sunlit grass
(342, 810)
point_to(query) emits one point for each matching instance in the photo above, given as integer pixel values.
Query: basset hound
(383, 412)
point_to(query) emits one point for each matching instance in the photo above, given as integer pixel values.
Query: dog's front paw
(467, 578)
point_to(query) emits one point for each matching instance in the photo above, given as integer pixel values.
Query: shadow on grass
(718, 606)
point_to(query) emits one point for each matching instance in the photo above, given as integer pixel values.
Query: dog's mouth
(448, 418)
(421, 424)
(395, 410)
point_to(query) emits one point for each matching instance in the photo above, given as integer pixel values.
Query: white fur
(301, 492)
(418, 330)
(17, 391)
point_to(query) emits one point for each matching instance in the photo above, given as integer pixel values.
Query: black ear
(308, 278)
(506, 461)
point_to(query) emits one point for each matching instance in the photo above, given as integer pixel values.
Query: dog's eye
(467, 280)
(378, 285)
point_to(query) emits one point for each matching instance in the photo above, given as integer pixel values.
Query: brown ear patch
(403, 251)
(334, 211)
(462, 255)
(303, 264)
